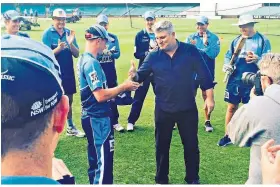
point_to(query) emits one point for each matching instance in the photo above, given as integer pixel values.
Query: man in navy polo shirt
(95, 100)
(33, 111)
(12, 21)
(173, 66)
(63, 43)
(144, 43)
(209, 46)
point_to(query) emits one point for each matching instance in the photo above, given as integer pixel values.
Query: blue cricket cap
(149, 14)
(30, 75)
(102, 19)
(97, 31)
(202, 19)
(12, 15)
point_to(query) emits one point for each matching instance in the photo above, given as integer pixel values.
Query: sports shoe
(130, 127)
(208, 126)
(73, 131)
(118, 128)
(224, 141)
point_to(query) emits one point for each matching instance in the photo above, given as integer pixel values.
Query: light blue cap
(202, 19)
(149, 14)
(102, 18)
(12, 15)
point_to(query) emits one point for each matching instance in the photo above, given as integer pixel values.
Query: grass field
(134, 161)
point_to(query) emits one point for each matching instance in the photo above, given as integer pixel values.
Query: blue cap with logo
(102, 19)
(202, 19)
(12, 15)
(149, 14)
(30, 76)
(97, 31)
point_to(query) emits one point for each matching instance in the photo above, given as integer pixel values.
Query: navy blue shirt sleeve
(117, 52)
(138, 52)
(145, 69)
(202, 70)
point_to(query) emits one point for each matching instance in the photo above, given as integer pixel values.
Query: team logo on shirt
(226, 94)
(93, 77)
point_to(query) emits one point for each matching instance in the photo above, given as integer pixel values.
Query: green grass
(134, 161)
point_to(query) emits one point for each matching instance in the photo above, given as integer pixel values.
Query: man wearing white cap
(256, 45)
(145, 41)
(209, 46)
(12, 21)
(107, 61)
(63, 43)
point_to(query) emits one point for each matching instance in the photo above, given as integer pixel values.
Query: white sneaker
(75, 132)
(130, 127)
(118, 128)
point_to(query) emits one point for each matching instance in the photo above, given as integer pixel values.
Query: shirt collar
(89, 54)
(207, 32)
(54, 30)
(253, 35)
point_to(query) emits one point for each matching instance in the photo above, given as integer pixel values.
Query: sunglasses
(90, 36)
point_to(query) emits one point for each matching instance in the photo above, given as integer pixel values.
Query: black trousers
(187, 122)
(139, 98)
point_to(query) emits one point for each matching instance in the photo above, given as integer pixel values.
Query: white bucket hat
(245, 19)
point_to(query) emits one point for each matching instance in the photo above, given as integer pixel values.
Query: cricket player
(145, 42)
(107, 62)
(12, 21)
(95, 96)
(209, 46)
(256, 45)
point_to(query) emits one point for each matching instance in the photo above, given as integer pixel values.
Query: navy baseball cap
(97, 31)
(102, 19)
(202, 19)
(30, 75)
(12, 15)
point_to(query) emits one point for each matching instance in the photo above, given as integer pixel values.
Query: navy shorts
(236, 93)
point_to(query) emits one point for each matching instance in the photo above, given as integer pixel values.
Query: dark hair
(24, 136)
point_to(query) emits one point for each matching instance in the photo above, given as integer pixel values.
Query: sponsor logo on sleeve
(93, 77)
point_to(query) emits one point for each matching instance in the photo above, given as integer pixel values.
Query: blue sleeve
(75, 43)
(46, 40)
(188, 39)
(117, 54)
(145, 69)
(228, 54)
(266, 49)
(201, 68)
(138, 52)
(213, 49)
(93, 74)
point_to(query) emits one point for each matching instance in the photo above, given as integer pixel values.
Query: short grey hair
(270, 66)
(163, 26)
